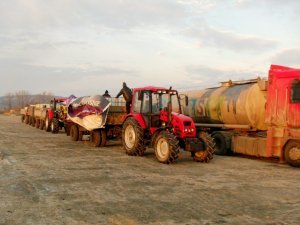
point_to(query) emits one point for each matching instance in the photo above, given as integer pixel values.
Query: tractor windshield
(160, 101)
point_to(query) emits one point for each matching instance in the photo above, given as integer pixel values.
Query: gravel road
(48, 179)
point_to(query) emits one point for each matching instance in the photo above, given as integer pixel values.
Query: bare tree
(23, 98)
(44, 97)
(8, 100)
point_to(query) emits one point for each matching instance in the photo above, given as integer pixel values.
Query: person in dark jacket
(106, 94)
(127, 94)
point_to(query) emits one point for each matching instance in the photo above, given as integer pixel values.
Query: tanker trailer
(252, 117)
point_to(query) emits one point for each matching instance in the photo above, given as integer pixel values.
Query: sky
(84, 47)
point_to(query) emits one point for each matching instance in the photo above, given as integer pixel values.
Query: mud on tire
(166, 147)
(292, 153)
(55, 126)
(133, 137)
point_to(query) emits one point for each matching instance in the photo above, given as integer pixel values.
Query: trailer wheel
(74, 133)
(32, 121)
(221, 148)
(22, 118)
(103, 138)
(55, 126)
(133, 137)
(27, 119)
(67, 129)
(37, 123)
(47, 124)
(166, 147)
(210, 145)
(292, 153)
(41, 124)
(95, 138)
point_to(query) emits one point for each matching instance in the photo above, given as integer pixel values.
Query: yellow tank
(240, 103)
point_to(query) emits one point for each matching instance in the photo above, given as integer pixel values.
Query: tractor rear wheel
(292, 153)
(133, 137)
(55, 126)
(166, 147)
(74, 132)
(208, 153)
(47, 124)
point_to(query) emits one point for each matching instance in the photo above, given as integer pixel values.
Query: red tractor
(56, 115)
(155, 120)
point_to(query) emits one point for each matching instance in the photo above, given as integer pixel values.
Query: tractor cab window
(160, 101)
(146, 102)
(295, 91)
(137, 102)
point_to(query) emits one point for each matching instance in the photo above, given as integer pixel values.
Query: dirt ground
(48, 179)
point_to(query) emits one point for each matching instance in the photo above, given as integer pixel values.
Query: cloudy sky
(83, 47)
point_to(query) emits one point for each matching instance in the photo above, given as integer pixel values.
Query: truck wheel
(95, 138)
(22, 118)
(54, 126)
(292, 153)
(41, 124)
(208, 153)
(220, 141)
(74, 133)
(37, 123)
(47, 124)
(133, 137)
(166, 147)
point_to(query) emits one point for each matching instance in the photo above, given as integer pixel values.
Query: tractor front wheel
(133, 137)
(166, 147)
(55, 126)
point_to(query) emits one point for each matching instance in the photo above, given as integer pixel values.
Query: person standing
(106, 94)
(127, 94)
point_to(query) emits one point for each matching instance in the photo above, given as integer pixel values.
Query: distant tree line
(22, 98)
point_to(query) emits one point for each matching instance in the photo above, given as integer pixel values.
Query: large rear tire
(133, 137)
(166, 147)
(74, 132)
(292, 153)
(55, 126)
(208, 153)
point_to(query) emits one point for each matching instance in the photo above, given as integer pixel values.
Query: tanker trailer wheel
(292, 153)
(37, 123)
(41, 124)
(22, 118)
(133, 137)
(74, 132)
(47, 124)
(221, 148)
(166, 147)
(208, 153)
(54, 126)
